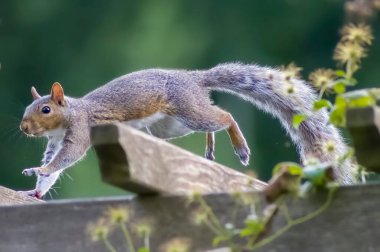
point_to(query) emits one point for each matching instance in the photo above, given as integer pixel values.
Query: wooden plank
(138, 162)
(10, 197)
(364, 127)
(351, 223)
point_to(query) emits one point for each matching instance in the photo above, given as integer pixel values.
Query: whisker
(50, 195)
(68, 175)
(54, 190)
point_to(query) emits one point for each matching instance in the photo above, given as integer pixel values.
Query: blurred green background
(84, 44)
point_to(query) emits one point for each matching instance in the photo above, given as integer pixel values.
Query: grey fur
(183, 98)
(168, 128)
(266, 88)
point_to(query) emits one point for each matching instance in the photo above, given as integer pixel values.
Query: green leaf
(340, 88)
(293, 168)
(246, 232)
(340, 101)
(317, 173)
(321, 104)
(217, 240)
(255, 224)
(252, 227)
(361, 98)
(298, 119)
(338, 116)
(360, 102)
(340, 73)
(143, 250)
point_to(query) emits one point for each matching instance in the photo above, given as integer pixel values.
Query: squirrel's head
(46, 113)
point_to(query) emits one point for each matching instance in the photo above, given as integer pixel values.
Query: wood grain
(350, 223)
(10, 197)
(143, 164)
(364, 127)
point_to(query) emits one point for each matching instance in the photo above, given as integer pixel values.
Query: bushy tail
(270, 91)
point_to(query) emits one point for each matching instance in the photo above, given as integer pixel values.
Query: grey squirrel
(173, 103)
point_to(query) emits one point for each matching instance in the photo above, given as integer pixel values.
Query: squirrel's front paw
(35, 171)
(32, 193)
(30, 171)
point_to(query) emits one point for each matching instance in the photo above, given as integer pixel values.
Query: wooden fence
(163, 177)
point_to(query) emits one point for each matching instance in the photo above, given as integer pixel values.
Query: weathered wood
(350, 223)
(143, 164)
(10, 197)
(364, 127)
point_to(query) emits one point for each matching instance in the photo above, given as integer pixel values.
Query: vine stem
(213, 229)
(214, 220)
(267, 218)
(285, 210)
(317, 212)
(349, 70)
(215, 224)
(322, 92)
(109, 246)
(292, 223)
(127, 236)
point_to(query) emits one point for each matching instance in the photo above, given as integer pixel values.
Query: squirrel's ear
(35, 94)
(57, 94)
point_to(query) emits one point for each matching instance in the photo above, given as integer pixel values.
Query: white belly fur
(161, 125)
(145, 122)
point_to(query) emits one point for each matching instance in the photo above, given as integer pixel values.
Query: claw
(210, 155)
(35, 171)
(30, 171)
(243, 154)
(32, 193)
(37, 195)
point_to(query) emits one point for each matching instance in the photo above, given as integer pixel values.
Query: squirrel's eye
(45, 110)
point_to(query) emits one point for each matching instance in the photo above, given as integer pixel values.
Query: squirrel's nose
(24, 126)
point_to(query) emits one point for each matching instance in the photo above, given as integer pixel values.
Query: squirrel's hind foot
(210, 155)
(243, 153)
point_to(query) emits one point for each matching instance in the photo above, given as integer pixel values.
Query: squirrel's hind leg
(238, 141)
(210, 119)
(210, 145)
